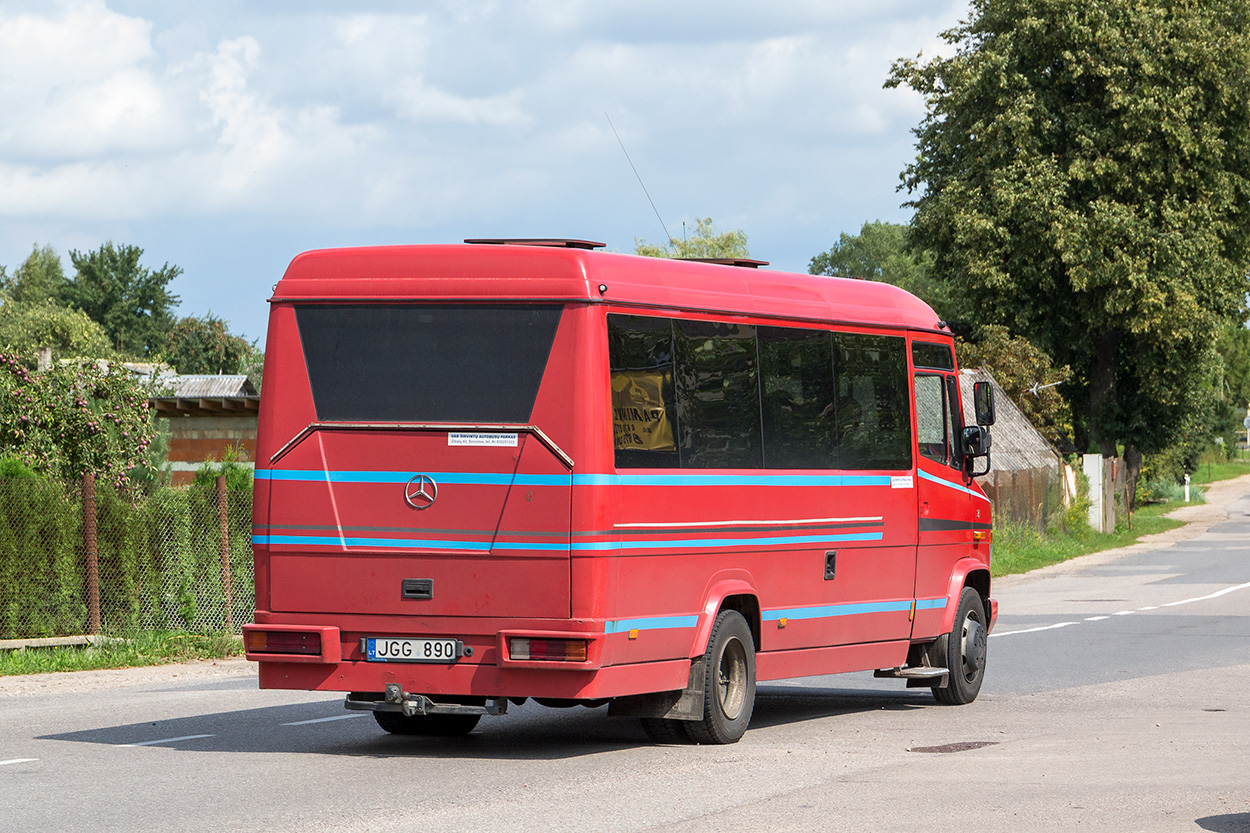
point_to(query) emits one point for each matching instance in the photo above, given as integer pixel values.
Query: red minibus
(527, 469)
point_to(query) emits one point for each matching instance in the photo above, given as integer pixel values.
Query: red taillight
(283, 642)
(547, 650)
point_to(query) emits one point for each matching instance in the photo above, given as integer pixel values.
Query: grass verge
(1019, 548)
(143, 648)
(1209, 472)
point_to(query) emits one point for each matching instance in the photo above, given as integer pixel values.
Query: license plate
(386, 649)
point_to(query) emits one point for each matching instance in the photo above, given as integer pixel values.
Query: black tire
(728, 682)
(964, 652)
(661, 730)
(435, 725)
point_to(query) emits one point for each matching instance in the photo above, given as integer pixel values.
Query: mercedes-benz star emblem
(421, 492)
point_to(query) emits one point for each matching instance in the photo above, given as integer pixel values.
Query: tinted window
(796, 372)
(425, 363)
(871, 402)
(644, 410)
(937, 356)
(717, 395)
(931, 423)
(699, 394)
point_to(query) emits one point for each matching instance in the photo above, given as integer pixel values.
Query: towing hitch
(395, 699)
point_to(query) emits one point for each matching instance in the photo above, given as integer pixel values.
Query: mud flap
(683, 704)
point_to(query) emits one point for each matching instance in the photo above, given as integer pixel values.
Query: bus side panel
(671, 539)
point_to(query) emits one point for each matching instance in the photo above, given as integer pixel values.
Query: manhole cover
(963, 746)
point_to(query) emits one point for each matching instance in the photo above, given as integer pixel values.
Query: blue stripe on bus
(650, 623)
(407, 543)
(440, 477)
(698, 543)
(504, 479)
(695, 479)
(924, 475)
(852, 609)
(578, 546)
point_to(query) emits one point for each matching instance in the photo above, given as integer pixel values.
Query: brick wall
(194, 440)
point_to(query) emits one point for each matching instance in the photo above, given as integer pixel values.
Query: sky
(226, 137)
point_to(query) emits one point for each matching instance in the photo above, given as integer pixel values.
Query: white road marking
(166, 740)
(325, 719)
(17, 761)
(1035, 630)
(1214, 595)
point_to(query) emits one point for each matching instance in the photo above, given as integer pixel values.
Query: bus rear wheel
(728, 683)
(434, 725)
(964, 652)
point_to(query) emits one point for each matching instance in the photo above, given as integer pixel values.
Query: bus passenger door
(944, 502)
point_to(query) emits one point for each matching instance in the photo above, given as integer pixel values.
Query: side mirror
(983, 403)
(976, 441)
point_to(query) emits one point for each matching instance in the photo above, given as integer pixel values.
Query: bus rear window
(426, 363)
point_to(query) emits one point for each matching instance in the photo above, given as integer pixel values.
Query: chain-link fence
(77, 560)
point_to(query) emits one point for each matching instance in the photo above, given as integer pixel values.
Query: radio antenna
(667, 236)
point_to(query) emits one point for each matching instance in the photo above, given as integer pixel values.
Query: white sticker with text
(501, 440)
(903, 482)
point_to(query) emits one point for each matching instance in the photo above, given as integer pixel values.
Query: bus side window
(872, 414)
(954, 422)
(931, 422)
(644, 411)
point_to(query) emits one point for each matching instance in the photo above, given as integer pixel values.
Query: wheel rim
(972, 646)
(731, 678)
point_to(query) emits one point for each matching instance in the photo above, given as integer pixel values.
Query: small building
(1025, 481)
(208, 418)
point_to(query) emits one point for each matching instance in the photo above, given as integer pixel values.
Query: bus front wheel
(964, 652)
(729, 682)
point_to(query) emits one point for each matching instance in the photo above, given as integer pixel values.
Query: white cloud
(457, 118)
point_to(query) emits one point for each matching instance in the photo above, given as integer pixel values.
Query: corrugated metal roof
(197, 386)
(1016, 444)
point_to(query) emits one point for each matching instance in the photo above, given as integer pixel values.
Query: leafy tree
(130, 301)
(40, 278)
(1083, 173)
(879, 253)
(705, 242)
(73, 418)
(1026, 375)
(203, 345)
(25, 326)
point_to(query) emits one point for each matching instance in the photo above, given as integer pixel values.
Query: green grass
(1209, 472)
(144, 648)
(1019, 549)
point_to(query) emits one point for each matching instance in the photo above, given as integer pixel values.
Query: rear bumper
(487, 670)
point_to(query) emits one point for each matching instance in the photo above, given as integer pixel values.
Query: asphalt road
(1116, 699)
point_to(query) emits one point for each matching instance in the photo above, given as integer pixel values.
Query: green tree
(1026, 374)
(203, 345)
(880, 253)
(705, 242)
(25, 326)
(130, 301)
(74, 418)
(40, 278)
(1083, 173)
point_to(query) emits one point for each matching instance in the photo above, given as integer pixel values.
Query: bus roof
(544, 273)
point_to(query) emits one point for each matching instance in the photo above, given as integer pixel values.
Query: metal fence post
(89, 550)
(224, 518)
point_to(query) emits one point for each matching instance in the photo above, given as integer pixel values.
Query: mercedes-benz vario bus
(528, 469)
